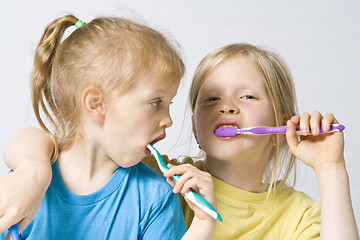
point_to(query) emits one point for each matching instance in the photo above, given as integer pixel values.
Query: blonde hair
(280, 86)
(108, 52)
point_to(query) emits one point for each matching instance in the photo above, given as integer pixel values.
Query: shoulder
(303, 212)
(289, 194)
(299, 204)
(142, 171)
(302, 199)
(150, 184)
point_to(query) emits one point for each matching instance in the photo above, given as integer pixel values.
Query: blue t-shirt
(137, 203)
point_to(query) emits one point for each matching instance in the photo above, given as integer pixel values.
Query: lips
(159, 138)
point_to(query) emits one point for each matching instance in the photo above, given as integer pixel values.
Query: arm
(28, 153)
(203, 225)
(324, 153)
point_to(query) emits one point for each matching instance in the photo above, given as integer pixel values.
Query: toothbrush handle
(275, 130)
(199, 201)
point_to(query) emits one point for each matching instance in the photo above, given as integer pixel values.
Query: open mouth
(159, 138)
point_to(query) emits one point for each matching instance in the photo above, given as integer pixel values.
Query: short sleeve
(165, 220)
(310, 224)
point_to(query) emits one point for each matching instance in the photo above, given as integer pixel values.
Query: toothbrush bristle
(226, 131)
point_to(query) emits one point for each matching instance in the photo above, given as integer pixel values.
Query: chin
(132, 161)
(227, 157)
(130, 164)
(230, 152)
(221, 153)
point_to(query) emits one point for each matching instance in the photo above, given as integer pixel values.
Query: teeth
(222, 126)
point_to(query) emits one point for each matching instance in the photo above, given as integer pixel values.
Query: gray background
(320, 40)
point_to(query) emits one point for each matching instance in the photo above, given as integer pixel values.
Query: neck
(84, 168)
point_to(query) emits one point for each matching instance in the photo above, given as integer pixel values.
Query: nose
(228, 107)
(166, 121)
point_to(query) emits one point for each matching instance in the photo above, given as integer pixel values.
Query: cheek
(202, 120)
(203, 129)
(269, 117)
(264, 116)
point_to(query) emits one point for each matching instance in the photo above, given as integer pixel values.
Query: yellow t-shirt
(289, 215)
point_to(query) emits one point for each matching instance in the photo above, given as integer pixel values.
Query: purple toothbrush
(233, 131)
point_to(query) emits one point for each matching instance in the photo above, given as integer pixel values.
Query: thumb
(291, 136)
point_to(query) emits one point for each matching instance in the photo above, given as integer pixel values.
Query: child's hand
(318, 151)
(200, 181)
(22, 192)
(324, 153)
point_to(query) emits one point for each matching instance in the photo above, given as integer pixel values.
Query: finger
(186, 172)
(291, 136)
(185, 168)
(198, 184)
(327, 121)
(171, 171)
(315, 121)
(179, 169)
(295, 120)
(6, 222)
(304, 123)
(190, 174)
(181, 181)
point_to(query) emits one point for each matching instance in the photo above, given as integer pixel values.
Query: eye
(213, 99)
(250, 97)
(155, 103)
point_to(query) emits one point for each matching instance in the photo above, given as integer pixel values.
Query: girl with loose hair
(106, 89)
(244, 86)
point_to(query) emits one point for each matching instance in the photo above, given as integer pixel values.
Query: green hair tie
(79, 24)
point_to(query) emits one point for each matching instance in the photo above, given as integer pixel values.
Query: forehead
(155, 81)
(163, 72)
(237, 71)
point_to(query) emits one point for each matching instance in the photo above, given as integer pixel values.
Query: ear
(92, 103)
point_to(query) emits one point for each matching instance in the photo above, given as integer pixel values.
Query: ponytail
(41, 74)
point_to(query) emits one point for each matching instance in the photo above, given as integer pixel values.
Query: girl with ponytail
(106, 90)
